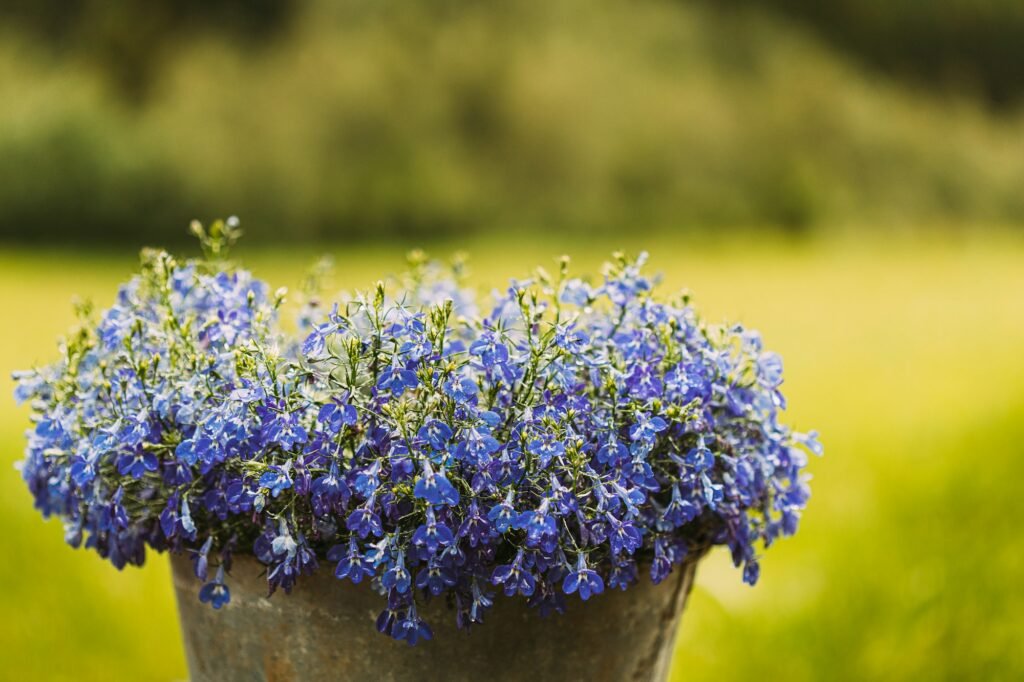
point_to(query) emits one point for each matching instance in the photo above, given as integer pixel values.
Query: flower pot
(324, 630)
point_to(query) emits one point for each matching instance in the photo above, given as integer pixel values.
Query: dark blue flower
(546, 449)
(364, 521)
(335, 415)
(397, 577)
(329, 492)
(351, 563)
(624, 536)
(436, 577)
(137, 464)
(514, 578)
(436, 433)
(215, 593)
(432, 535)
(502, 515)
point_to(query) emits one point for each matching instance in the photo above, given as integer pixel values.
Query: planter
(324, 630)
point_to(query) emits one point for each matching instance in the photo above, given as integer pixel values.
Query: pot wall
(324, 630)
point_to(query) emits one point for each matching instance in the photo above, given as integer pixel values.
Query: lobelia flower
(215, 593)
(414, 438)
(435, 488)
(584, 580)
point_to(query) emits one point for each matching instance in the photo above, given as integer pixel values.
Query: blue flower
(276, 479)
(546, 449)
(514, 578)
(367, 480)
(364, 521)
(700, 457)
(583, 579)
(612, 452)
(411, 628)
(335, 415)
(83, 470)
(570, 338)
(475, 528)
(137, 464)
(502, 515)
(646, 427)
(397, 379)
(215, 593)
(436, 433)
(624, 536)
(489, 349)
(432, 535)
(435, 488)
(461, 389)
(329, 492)
(436, 577)
(351, 563)
(397, 577)
(538, 524)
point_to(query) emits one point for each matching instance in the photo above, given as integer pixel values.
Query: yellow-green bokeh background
(904, 353)
(847, 177)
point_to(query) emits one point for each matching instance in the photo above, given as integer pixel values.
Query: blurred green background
(844, 176)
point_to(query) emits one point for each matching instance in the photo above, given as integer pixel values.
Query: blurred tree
(129, 40)
(953, 44)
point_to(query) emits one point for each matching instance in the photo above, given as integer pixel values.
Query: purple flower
(514, 578)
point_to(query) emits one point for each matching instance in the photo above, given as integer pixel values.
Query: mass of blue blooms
(567, 437)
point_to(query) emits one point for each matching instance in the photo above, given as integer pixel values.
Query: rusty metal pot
(324, 630)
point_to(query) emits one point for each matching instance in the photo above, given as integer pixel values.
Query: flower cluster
(558, 441)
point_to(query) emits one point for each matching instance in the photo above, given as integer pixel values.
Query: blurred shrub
(131, 39)
(976, 44)
(382, 119)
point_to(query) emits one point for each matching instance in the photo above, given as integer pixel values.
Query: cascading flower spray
(552, 443)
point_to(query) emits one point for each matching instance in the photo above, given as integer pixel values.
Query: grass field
(907, 356)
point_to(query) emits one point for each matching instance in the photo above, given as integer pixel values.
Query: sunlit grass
(905, 355)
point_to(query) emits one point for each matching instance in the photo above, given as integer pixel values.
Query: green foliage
(385, 120)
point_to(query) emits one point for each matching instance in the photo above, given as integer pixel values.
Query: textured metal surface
(324, 630)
